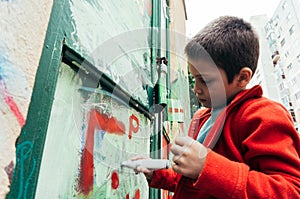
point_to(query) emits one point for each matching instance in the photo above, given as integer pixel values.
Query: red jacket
(256, 156)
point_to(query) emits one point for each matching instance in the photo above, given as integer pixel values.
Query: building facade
(264, 74)
(279, 64)
(283, 34)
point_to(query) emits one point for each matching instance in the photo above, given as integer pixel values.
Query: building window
(258, 76)
(292, 112)
(272, 38)
(286, 54)
(289, 67)
(267, 27)
(285, 100)
(292, 30)
(281, 86)
(284, 5)
(282, 73)
(295, 46)
(275, 20)
(282, 42)
(297, 95)
(294, 81)
(288, 17)
(279, 32)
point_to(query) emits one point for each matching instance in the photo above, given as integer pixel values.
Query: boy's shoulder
(252, 102)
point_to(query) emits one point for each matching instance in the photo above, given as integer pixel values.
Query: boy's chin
(206, 105)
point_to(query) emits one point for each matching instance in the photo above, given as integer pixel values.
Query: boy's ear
(244, 76)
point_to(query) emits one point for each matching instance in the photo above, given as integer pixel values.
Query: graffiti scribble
(102, 122)
(10, 101)
(23, 156)
(9, 170)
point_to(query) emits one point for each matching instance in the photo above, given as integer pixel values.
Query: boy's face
(211, 84)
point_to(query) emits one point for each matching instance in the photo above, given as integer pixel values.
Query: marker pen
(152, 164)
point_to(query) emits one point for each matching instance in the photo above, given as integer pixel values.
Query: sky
(201, 12)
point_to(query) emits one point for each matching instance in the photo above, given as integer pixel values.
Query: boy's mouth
(202, 100)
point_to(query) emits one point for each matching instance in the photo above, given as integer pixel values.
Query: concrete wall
(23, 26)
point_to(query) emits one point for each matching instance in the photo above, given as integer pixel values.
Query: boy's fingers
(182, 141)
(179, 140)
(176, 159)
(139, 157)
(142, 169)
(176, 149)
(177, 168)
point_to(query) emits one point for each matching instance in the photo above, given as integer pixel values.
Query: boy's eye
(204, 82)
(201, 80)
(208, 81)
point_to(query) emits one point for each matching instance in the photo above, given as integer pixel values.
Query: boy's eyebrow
(202, 76)
(198, 75)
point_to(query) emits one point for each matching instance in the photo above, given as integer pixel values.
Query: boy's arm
(227, 179)
(165, 179)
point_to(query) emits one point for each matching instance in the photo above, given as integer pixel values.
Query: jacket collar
(254, 92)
(214, 133)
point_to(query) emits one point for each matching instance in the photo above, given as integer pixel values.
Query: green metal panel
(155, 144)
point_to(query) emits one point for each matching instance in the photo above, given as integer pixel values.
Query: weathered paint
(23, 27)
(10, 102)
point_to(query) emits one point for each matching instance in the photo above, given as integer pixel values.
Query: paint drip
(114, 180)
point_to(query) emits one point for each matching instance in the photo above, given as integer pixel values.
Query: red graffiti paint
(132, 127)
(99, 121)
(149, 7)
(175, 110)
(114, 180)
(11, 103)
(86, 175)
(109, 124)
(137, 194)
(127, 196)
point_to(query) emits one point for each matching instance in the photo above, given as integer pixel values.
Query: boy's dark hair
(230, 42)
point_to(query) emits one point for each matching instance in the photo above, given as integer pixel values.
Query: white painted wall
(23, 26)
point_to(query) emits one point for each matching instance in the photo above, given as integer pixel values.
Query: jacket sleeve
(165, 179)
(269, 163)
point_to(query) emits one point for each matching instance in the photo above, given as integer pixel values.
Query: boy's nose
(197, 90)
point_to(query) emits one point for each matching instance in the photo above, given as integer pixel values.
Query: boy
(242, 145)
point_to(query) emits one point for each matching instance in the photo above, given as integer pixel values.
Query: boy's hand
(189, 156)
(147, 172)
